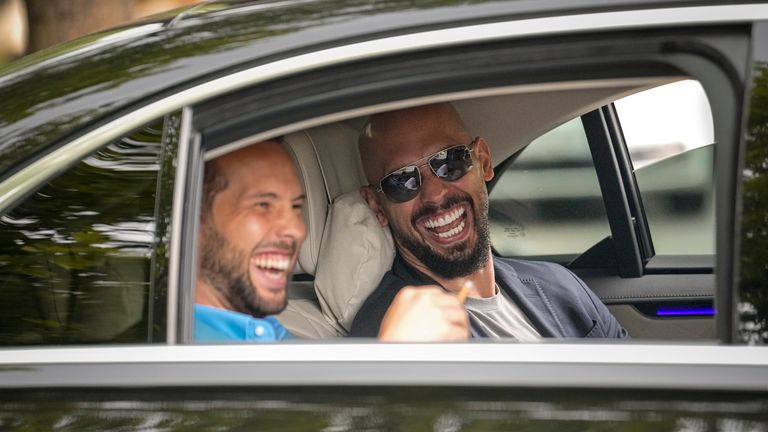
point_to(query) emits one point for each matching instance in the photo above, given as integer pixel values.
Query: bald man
(251, 230)
(427, 180)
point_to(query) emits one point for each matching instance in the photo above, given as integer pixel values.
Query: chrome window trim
(485, 364)
(51, 164)
(179, 191)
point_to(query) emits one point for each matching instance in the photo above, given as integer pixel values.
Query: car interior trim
(19, 184)
(632, 190)
(608, 171)
(425, 100)
(685, 311)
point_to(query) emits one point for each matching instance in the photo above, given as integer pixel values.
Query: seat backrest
(346, 249)
(356, 252)
(329, 165)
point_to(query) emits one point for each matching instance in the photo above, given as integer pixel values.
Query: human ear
(370, 197)
(484, 157)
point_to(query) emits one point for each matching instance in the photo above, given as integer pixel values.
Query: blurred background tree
(51, 22)
(30, 25)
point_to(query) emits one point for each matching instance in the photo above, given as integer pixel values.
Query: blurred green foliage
(754, 228)
(383, 409)
(75, 255)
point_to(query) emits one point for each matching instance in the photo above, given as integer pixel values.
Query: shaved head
(385, 133)
(443, 228)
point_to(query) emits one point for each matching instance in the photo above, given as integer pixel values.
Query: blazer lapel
(531, 299)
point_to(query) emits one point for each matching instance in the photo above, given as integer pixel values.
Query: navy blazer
(555, 300)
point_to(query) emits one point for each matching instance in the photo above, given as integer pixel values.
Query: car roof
(67, 89)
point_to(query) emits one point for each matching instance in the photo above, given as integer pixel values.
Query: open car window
(547, 203)
(571, 186)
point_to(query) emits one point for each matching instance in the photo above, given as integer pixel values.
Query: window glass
(75, 256)
(752, 306)
(548, 201)
(669, 135)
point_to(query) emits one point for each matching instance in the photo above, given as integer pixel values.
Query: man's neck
(206, 295)
(483, 280)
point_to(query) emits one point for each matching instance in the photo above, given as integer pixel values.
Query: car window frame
(272, 108)
(277, 364)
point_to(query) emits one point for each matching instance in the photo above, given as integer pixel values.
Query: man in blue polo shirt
(250, 233)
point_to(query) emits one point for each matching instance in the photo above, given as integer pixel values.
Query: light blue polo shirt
(214, 325)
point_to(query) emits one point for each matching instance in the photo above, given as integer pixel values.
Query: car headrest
(356, 252)
(346, 248)
(301, 147)
(328, 164)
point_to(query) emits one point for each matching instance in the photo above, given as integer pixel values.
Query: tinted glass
(548, 201)
(753, 265)
(75, 256)
(670, 137)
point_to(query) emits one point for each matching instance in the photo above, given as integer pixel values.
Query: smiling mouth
(272, 269)
(273, 262)
(447, 225)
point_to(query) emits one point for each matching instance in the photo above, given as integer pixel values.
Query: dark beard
(218, 266)
(460, 260)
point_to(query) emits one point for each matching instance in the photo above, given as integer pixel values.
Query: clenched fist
(424, 314)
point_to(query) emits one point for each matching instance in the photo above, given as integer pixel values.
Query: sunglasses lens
(402, 185)
(451, 164)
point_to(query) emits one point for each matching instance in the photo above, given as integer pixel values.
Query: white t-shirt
(499, 317)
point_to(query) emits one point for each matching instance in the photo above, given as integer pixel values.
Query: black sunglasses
(448, 164)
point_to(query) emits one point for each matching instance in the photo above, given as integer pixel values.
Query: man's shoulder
(368, 318)
(215, 324)
(550, 290)
(526, 269)
(557, 281)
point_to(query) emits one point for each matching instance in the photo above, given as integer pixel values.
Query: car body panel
(87, 88)
(381, 408)
(60, 113)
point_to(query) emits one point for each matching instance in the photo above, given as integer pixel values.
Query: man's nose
(432, 188)
(291, 226)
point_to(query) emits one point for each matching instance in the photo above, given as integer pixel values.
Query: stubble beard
(460, 260)
(219, 267)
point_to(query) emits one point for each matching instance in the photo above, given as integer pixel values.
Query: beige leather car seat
(346, 250)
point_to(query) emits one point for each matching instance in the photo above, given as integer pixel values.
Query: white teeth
(274, 263)
(444, 220)
(452, 232)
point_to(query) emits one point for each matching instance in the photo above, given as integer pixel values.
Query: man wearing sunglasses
(427, 184)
